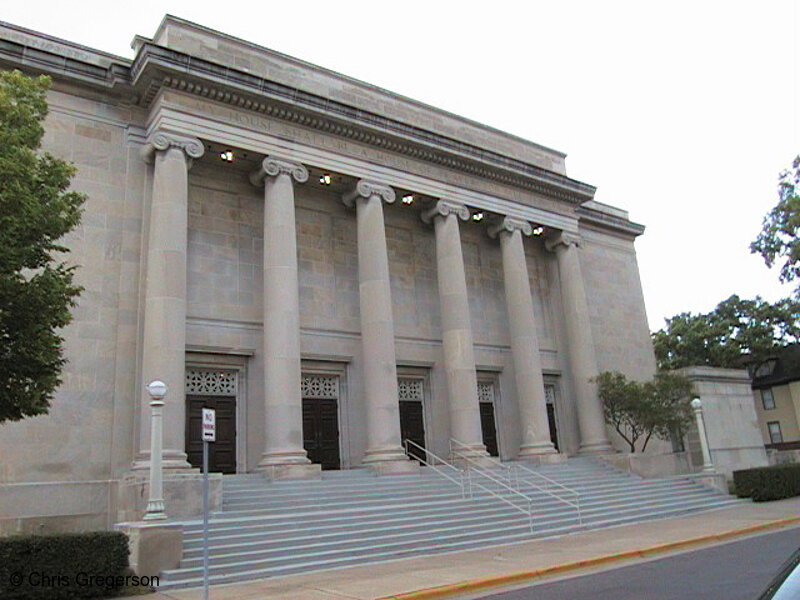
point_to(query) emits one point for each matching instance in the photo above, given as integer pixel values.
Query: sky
(683, 113)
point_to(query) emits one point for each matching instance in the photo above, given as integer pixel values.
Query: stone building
(333, 267)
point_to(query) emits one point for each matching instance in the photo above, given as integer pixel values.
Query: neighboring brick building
(415, 275)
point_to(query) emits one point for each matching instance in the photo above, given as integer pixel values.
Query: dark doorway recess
(321, 432)
(222, 453)
(489, 428)
(412, 426)
(551, 420)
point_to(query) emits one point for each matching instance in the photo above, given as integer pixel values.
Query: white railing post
(708, 466)
(155, 501)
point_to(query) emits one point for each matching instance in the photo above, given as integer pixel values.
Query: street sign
(209, 425)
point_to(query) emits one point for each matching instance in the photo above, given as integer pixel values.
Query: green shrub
(768, 483)
(69, 565)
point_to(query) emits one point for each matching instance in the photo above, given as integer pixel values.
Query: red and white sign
(209, 425)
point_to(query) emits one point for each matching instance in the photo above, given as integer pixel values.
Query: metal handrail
(569, 491)
(471, 467)
(511, 476)
(459, 482)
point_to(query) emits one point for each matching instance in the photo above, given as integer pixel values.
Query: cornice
(608, 221)
(156, 67)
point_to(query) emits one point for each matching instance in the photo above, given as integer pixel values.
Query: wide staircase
(267, 529)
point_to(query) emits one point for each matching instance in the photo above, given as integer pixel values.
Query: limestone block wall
(730, 419)
(616, 305)
(69, 459)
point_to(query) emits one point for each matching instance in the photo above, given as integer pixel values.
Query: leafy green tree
(36, 288)
(779, 240)
(735, 332)
(660, 407)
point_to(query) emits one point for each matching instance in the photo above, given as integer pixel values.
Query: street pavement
(480, 572)
(735, 570)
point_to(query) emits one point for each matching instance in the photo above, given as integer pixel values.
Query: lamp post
(155, 502)
(708, 466)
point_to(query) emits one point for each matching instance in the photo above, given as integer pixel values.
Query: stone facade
(440, 250)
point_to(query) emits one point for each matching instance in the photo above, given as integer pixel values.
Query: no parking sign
(209, 425)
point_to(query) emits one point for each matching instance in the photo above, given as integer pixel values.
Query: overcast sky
(682, 113)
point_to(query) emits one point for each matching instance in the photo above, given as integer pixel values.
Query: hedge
(768, 483)
(69, 565)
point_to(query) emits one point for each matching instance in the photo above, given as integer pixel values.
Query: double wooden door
(489, 428)
(321, 431)
(222, 453)
(412, 426)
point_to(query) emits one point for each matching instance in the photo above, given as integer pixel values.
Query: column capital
(443, 208)
(272, 167)
(367, 189)
(562, 238)
(508, 225)
(163, 140)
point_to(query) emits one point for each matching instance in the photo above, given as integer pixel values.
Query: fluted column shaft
(377, 328)
(524, 341)
(283, 406)
(164, 331)
(582, 358)
(457, 343)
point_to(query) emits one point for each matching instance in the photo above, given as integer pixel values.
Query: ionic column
(581, 355)
(524, 342)
(459, 354)
(384, 452)
(164, 333)
(284, 455)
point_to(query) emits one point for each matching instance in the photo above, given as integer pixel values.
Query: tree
(779, 240)
(36, 289)
(660, 407)
(735, 332)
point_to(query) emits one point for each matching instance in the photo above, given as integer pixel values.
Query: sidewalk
(461, 573)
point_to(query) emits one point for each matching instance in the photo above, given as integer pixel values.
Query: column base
(385, 461)
(393, 467)
(595, 448)
(175, 462)
(280, 472)
(550, 457)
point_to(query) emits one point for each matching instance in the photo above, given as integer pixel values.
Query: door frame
(324, 368)
(493, 379)
(553, 381)
(238, 365)
(423, 375)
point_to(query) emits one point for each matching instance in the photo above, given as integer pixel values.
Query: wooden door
(489, 428)
(222, 453)
(412, 425)
(321, 432)
(551, 421)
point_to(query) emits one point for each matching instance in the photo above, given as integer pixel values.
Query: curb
(523, 576)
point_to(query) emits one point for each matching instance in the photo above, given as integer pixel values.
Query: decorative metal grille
(410, 389)
(211, 382)
(549, 393)
(320, 386)
(485, 391)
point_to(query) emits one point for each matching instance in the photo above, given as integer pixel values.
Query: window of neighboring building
(767, 399)
(775, 435)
